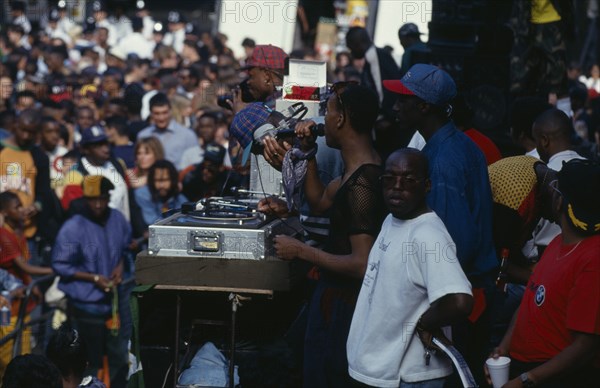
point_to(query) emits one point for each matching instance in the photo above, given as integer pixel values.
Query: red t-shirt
(563, 295)
(11, 247)
(486, 145)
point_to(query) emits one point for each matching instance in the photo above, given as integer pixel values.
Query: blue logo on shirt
(383, 246)
(540, 295)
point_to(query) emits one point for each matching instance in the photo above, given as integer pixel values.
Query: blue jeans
(502, 310)
(435, 383)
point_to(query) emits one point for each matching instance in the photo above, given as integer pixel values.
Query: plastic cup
(498, 368)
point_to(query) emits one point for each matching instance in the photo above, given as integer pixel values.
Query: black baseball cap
(579, 184)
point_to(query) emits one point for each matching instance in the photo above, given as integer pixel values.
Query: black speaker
(459, 35)
(470, 11)
(458, 11)
(470, 40)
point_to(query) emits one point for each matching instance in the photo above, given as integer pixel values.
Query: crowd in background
(125, 116)
(137, 107)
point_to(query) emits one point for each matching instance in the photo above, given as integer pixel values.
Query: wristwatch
(526, 382)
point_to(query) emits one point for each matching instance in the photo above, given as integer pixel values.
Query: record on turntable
(223, 212)
(224, 227)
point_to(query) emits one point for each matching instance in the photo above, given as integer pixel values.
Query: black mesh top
(357, 208)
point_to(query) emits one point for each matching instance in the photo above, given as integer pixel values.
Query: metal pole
(236, 300)
(176, 357)
(372, 18)
(214, 28)
(234, 306)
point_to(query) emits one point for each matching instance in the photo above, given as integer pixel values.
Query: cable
(225, 183)
(164, 384)
(265, 195)
(240, 150)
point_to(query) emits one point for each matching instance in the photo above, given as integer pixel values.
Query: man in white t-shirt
(413, 287)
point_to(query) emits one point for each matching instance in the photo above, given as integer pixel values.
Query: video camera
(246, 96)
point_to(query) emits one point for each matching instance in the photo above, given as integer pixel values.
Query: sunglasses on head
(338, 89)
(554, 186)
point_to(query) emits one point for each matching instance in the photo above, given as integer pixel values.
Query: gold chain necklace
(568, 253)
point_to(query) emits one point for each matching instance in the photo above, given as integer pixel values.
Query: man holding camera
(265, 76)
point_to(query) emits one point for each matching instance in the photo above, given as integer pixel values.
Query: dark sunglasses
(390, 180)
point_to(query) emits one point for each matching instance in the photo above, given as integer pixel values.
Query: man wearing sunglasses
(460, 190)
(554, 337)
(412, 277)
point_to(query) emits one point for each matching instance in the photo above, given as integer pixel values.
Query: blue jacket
(152, 210)
(83, 245)
(461, 196)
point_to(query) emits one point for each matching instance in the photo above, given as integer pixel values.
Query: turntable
(220, 227)
(223, 241)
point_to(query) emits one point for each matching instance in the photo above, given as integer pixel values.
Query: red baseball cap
(268, 57)
(396, 86)
(430, 83)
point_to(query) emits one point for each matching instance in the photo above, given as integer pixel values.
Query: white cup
(498, 368)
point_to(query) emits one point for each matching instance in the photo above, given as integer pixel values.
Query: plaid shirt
(247, 120)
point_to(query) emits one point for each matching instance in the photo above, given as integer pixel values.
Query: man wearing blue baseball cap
(460, 189)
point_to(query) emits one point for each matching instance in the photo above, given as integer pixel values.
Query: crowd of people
(108, 126)
(105, 127)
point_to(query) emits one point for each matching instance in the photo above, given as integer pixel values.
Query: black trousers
(99, 342)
